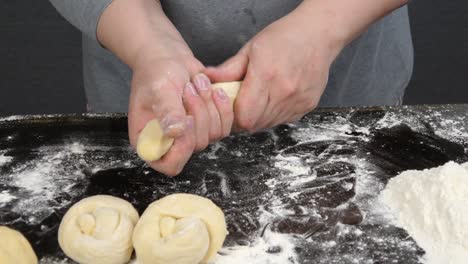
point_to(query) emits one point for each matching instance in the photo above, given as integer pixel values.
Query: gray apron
(373, 70)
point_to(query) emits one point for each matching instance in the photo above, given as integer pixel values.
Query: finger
(273, 116)
(232, 69)
(203, 86)
(168, 107)
(251, 101)
(283, 114)
(178, 155)
(225, 109)
(195, 106)
(143, 106)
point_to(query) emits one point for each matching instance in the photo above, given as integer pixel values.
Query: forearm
(83, 14)
(346, 20)
(135, 28)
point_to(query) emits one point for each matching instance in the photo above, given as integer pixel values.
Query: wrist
(138, 30)
(323, 26)
(343, 21)
(319, 39)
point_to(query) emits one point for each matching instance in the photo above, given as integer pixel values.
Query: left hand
(285, 70)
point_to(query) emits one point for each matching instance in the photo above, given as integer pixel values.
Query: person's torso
(373, 70)
(216, 29)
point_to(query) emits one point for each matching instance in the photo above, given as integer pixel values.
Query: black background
(40, 57)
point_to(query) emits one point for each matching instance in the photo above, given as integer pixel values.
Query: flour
(432, 206)
(6, 197)
(43, 179)
(292, 166)
(273, 248)
(4, 159)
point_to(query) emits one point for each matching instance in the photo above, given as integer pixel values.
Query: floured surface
(303, 193)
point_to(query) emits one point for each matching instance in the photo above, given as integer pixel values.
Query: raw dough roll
(179, 228)
(98, 230)
(152, 144)
(15, 248)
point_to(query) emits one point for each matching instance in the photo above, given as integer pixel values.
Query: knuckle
(201, 145)
(256, 45)
(226, 133)
(215, 137)
(247, 124)
(288, 89)
(170, 171)
(269, 73)
(312, 105)
(296, 118)
(174, 172)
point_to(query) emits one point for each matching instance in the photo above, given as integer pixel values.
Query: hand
(140, 34)
(285, 69)
(191, 113)
(212, 109)
(156, 93)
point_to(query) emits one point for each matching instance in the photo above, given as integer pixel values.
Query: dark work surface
(49, 163)
(41, 57)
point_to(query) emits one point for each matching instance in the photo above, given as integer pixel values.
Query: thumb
(166, 105)
(169, 109)
(232, 69)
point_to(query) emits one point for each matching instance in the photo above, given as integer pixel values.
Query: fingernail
(191, 89)
(173, 126)
(202, 82)
(221, 94)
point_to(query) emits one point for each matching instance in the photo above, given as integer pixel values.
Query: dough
(14, 248)
(98, 230)
(152, 144)
(179, 228)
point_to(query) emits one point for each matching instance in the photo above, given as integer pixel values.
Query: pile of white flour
(432, 206)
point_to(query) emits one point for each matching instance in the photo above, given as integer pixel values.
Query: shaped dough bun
(15, 248)
(179, 228)
(152, 144)
(98, 230)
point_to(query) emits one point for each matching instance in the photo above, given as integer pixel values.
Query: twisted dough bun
(98, 230)
(14, 248)
(152, 144)
(179, 228)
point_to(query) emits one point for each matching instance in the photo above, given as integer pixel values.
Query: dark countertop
(303, 193)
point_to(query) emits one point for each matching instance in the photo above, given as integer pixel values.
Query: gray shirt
(373, 70)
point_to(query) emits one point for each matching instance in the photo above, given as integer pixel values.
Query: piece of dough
(15, 248)
(152, 144)
(179, 228)
(98, 230)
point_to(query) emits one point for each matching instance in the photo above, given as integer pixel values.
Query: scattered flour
(432, 206)
(292, 166)
(6, 197)
(293, 171)
(4, 159)
(257, 252)
(43, 179)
